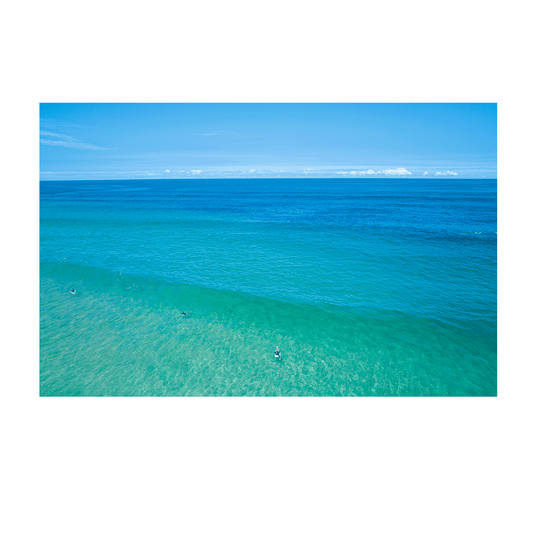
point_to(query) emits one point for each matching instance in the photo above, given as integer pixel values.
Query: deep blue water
(368, 286)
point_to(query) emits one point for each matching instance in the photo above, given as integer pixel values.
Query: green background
(262, 474)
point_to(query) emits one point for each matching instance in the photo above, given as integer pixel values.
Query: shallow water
(368, 286)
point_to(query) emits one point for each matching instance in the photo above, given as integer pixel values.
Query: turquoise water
(370, 287)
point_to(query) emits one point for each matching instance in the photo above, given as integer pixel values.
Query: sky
(99, 141)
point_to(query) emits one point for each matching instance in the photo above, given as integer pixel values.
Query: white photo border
(30, 403)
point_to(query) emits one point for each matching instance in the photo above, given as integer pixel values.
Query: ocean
(369, 287)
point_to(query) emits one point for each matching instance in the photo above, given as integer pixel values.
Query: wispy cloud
(49, 123)
(395, 172)
(447, 173)
(362, 172)
(50, 134)
(58, 139)
(387, 172)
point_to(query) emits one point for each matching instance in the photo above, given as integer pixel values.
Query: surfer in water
(72, 291)
(277, 354)
(183, 313)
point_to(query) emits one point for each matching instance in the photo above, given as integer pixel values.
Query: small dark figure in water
(277, 355)
(185, 314)
(72, 291)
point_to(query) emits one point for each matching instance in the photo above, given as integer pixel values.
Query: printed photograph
(274, 250)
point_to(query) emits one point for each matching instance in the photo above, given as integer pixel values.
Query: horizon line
(453, 178)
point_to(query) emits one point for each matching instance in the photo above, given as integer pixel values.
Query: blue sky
(172, 140)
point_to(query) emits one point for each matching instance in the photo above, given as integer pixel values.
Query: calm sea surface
(370, 287)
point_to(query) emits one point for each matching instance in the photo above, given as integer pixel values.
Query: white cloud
(67, 141)
(425, 173)
(50, 134)
(395, 172)
(252, 170)
(388, 172)
(447, 173)
(196, 171)
(167, 171)
(358, 172)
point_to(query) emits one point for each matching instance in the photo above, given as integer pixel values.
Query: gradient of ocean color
(371, 287)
